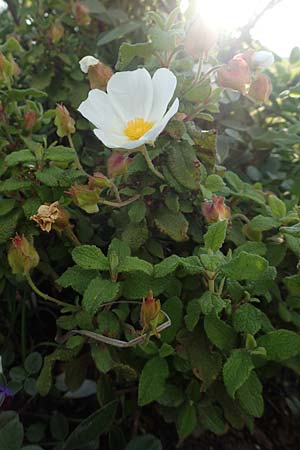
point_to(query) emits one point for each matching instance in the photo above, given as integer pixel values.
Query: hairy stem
(146, 155)
(45, 296)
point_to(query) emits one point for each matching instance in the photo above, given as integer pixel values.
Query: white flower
(86, 62)
(262, 60)
(133, 111)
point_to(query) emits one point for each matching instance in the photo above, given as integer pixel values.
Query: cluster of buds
(150, 314)
(52, 216)
(98, 73)
(81, 13)
(243, 74)
(64, 122)
(22, 256)
(200, 38)
(215, 210)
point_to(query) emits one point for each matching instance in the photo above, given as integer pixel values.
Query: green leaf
(146, 442)
(173, 307)
(59, 426)
(280, 344)
(211, 418)
(152, 380)
(8, 224)
(210, 301)
(277, 206)
(215, 236)
(237, 370)
(91, 427)
(186, 421)
(118, 32)
(246, 266)
(11, 431)
(76, 278)
(173, 396)
(137, 211)
(168, 265)
(90, 257)
(102, 357)
(219, 333)
(198, 93)
(60, 154)
(250, 396)
(135, 234)
(214, 183)
(33, 363)
(173, 224)
(21, 94)
(181, 163)
(262, 223)
(20, 157)
(6, 205)
(247, 319)
(292, 231)
(128, 52)
(99, 291)
(13, 184)
(133, 264)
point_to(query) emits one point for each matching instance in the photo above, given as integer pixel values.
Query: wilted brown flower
(48, 215)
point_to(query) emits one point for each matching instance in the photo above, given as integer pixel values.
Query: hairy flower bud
(260, 88)
(150, 313)
(215, 210)
(85, 197)
(56, 32)
(29, 120)
(64, 122)
(99, 180)
(235, 75)
(22, 256)
(81, 13)
(6, 68)
(98, 73)
(53, 214)
(117, 164)
(200, 38)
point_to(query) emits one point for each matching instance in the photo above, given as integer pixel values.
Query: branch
(253, 21)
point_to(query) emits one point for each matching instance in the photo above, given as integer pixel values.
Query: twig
(13, 10)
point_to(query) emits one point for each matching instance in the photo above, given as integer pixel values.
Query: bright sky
(278, 29)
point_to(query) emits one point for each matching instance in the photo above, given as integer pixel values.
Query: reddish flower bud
(260, 88)
(200, 38)
(117, 164)
(22, 256)
(64, 122)
(150, 313)
(29, 120)
(56, 32)
(98, 73)
(81, 14)
(235, 75)
(215, 210)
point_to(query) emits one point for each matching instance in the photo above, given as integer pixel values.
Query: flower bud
(215, 210)
(200, 38)
(53, 214)
(22, 256)
(117, 164)
(64, 122)
(81, 14)
(235, 75)
(99, 180)
(251, 234)
(98, 73)
(6, 69)
(260, 88)
(85, 197)
(29, 120)
(56, 32)
(150, 313)
(262, 60)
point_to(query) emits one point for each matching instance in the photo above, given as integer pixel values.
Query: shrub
(100, 230)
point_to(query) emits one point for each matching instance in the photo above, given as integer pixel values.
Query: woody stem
(119, 204)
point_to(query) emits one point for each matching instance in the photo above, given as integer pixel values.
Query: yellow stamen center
(137, 128)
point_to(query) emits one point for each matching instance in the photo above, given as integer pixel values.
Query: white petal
(110, 139)
(164, 84)
(98, 110)
(131, 94)
(86, 62)
(152, 134)
(262, 59)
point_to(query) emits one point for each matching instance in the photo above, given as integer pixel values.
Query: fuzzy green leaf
(99, 291)
(215, 235)
(152, 380)
(90, 257)
(236, 371)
